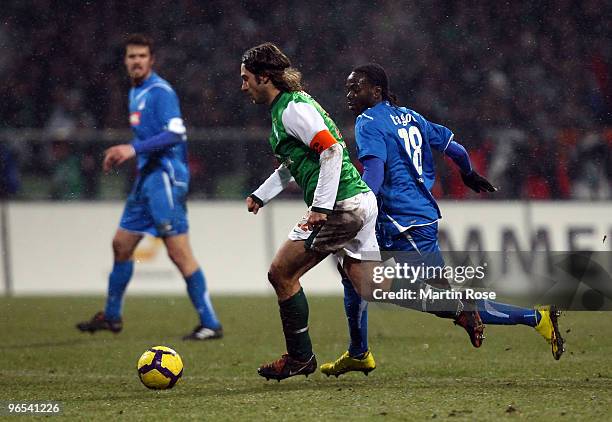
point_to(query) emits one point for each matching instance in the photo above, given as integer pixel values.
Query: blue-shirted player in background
(394, 145)
(157, 203)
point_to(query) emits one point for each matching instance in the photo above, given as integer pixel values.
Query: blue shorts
(156, 206)
(416, 246)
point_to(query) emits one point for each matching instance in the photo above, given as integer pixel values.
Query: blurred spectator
(66, 179)
(590, 168)
(509, 162)
(518, 74)
(9, 172)
(90, 170)
(68, 113)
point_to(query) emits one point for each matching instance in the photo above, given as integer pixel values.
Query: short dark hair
(268, 60)
(376, 76)
(141, 40)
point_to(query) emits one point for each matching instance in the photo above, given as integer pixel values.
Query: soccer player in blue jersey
(395, 147)
(157, 203)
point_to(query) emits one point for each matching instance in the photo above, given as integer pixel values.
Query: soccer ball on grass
(160, 368)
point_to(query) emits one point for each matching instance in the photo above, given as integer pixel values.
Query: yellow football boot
(346, 363)
(548, 327)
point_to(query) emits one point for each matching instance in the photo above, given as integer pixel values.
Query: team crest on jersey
(135, 118)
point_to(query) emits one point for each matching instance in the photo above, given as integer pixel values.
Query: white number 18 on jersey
(413, 142)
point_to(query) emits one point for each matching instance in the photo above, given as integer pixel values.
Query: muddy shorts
(349, 230)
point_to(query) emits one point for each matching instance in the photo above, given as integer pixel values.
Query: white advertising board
(59, 248)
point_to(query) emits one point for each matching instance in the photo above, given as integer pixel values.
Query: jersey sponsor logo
(135, 118)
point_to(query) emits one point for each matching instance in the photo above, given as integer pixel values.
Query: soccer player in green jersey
(342, 209)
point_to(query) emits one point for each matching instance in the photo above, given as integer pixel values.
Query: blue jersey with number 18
(402, 139)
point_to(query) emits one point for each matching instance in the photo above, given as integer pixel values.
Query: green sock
(294, 316)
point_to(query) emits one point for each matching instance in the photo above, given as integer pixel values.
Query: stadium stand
(526, 87)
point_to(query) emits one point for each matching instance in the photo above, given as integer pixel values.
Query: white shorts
(349, 230)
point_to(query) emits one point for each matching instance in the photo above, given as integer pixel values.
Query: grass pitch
(427, 368)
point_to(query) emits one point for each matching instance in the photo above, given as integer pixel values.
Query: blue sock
(357, 315)
(196, 287)
(496, 313)
(117, 282)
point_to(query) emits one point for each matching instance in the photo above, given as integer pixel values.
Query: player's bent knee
(272, 277)
(276, 276)
(121, 250)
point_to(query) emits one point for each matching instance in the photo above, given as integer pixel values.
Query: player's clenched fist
(315, 219)
(252, 205)
(117, 155)
(477, 183)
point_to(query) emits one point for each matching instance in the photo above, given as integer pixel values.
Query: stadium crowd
(525, 86)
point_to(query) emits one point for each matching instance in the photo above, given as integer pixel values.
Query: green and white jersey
(296, 120)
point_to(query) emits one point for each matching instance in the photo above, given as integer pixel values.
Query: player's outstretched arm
(158, 142)
(269, 189)
(470, 177)
(119, 154)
